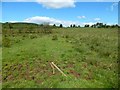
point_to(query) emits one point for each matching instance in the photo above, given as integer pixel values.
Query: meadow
(88, 56)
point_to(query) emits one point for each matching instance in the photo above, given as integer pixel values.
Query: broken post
(52, 68)
(58, 69)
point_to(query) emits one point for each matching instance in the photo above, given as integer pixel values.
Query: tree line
(97, 25)
(16, 25)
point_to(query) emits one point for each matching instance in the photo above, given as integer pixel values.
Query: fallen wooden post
(58, 69)
(52, 68)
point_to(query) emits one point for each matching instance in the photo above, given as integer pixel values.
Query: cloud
(51, 21)
(97, 19)
(56, 4)
(57, 0)
(81, 17)
(89, 23)
(18, 0)
(113, 5)
(111, 23)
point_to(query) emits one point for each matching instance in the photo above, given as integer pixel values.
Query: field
(88, 56)
(1, 61)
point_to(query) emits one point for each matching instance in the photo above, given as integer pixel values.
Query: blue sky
(66, 13)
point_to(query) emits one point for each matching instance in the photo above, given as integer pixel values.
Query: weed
(32, 36)
(6, 42)
(54, 37)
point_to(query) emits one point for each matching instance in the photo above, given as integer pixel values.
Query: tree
(74, 25)
(116, 25)
(99, 25)
(86, 25)
(71, 25)
(93, 26)
(61, 25)
(78, 25)
(104, 26)
(107, 26)
(113, 26)
(54, 25)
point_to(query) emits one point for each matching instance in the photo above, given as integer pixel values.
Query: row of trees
(97, 25)
(70, 25)
(101, 25)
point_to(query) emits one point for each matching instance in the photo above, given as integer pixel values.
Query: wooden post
(52, 68)
(58, 69)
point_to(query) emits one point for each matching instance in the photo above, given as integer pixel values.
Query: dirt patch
(77, 75)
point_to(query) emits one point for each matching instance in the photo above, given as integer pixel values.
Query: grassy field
(0, 68)
(0, 61)
(88, 56)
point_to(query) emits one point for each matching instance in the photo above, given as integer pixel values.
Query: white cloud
(57, 3)
(97, 19)
(81, 17)
(18, 0)
(113, 5)
(89, 23)
(53, 0)
(111, 23)
(49, 3)
(51, 21)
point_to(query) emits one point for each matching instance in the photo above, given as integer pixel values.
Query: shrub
(5, 35)
(32, 36)
(19, 31)
(55, 37)
(24, 36)
(47, 29)
(26, 31)
(17, 41)
(6, 42)
(66, 36)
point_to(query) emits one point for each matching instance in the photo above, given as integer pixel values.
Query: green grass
(88, 56)
(0, 61)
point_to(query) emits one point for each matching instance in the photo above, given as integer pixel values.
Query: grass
(88, 56)
(0, 61)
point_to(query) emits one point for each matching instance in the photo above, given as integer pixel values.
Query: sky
(57, 12)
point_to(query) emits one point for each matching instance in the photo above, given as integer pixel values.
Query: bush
(32, 36)
(5, 35)
(55, 37)
(19, 31)
(17, 41)
(47, 29)
(6, 42)
(24, 36)
(66, 36)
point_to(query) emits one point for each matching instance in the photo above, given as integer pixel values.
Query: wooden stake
(52, 68)
(58, 68)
